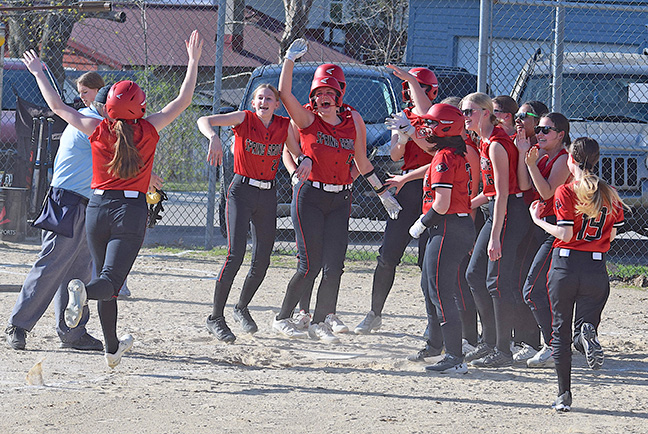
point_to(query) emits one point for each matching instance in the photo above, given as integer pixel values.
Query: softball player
(446, 218)
(321, 205)
(588, 214)
(396, 236)
(543, 169)
(491, 273)
(123, 148)
(505, 108)
(259, 137)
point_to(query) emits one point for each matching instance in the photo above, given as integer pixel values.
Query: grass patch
(626, 272)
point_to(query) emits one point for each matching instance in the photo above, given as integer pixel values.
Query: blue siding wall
(435, 26)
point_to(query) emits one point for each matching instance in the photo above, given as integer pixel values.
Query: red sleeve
(440, 171)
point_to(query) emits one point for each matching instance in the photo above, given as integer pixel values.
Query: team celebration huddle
(512, 223)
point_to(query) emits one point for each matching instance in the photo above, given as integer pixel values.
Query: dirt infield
(179, 379)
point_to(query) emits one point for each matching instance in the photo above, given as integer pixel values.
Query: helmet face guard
(325, 82)
(331, 70)
(126, 100)
(427, 79)
(441, 120)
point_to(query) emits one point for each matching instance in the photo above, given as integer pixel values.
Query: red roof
(122, 44)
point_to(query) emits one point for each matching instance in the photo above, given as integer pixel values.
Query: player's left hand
(397, 181)
(215, 153)
(194, 45)
(155, 183)
(390, 203)
(304, 169)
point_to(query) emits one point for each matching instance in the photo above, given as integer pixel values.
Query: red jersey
(488, 178)
(414, 157)
(331, 147)
(257, 149)
(103, 150)
(448, 170)
(545, 165)
(590, 235)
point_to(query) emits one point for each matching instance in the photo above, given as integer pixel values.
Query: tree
(296, 20)
(379, 29)
(49, 31)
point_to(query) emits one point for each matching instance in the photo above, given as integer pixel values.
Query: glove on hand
(390, 203)
(398, 122)
(297, 49)
(417, 229)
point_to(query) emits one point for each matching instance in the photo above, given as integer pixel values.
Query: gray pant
(61, 259)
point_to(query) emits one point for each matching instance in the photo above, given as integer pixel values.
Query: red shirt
(488, 178)
(545, 165)
(414, 157)
(257, 149)
(331, 147)
(448, 170)
(590, 235)
(103, 149)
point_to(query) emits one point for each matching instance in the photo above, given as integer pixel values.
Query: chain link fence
(583, 59)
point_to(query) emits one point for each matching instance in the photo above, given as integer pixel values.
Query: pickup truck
(605, 96)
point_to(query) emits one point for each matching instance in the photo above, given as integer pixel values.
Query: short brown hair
(91, 80)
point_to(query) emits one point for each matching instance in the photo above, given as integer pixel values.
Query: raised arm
(299, 115)
(173, 109)
(421, 102)
(85, 124)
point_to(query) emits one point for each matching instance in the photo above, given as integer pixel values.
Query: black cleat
(589, 341)
(480, 351)
(16, 337)
(243, 317)
(84, 343)
(421, 355)
(218, 327)
(496, 359)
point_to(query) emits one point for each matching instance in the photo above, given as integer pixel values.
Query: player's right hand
(215, 153)
(297, 49)
(417, 229)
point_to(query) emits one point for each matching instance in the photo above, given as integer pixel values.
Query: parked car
(370, 91)
(605, 96)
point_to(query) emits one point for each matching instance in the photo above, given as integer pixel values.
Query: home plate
(330, 355)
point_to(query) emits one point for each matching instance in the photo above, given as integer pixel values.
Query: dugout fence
(584, 59)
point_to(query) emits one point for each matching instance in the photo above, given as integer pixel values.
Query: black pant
(321, 221)
(494, 283)
(116, 226)
(575, 279)
(396, 238)
(246, 204)
(448, 244)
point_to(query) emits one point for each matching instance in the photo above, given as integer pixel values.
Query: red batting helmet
(331, 70)
(426, 78)
(441, 120)
(325, 82)
(126, 100)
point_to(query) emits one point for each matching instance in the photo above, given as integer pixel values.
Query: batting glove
(398, 122)
(390, 203)
(417, 229)
(297, 49)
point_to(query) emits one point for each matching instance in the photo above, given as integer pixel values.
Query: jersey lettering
(275, 149)
(254, 147)
(347, 144)
(593, 227)
(325, 139)
(487, 170)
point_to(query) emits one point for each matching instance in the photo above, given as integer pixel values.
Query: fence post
(218, 76)
(557, 55)
(484, 30)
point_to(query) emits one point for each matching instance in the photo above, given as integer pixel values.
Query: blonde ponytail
(126, 162)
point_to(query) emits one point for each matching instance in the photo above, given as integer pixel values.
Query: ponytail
(592, 193)
(126, 162)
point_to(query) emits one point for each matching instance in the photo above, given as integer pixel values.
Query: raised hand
(297, 49)
(398, 122)
(32, 62)
(194, 45)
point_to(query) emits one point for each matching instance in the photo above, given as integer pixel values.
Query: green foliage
(180, 158)
(626, 272)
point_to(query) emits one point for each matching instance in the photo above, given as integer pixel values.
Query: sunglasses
(499, 111)
(523, 116)
(469, 112)
(545, 129)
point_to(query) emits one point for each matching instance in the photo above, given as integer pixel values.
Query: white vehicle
(605, 96)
